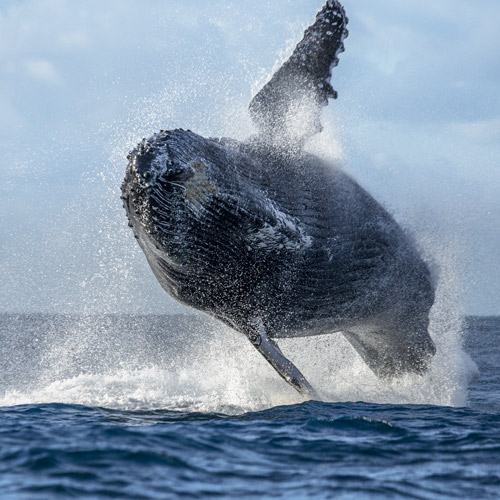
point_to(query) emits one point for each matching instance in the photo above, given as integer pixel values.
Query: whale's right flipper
(287, 370)
(287, 109)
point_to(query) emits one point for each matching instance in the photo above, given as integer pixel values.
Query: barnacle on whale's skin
(272, 240)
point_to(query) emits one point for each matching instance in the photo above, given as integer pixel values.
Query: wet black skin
(262, 230)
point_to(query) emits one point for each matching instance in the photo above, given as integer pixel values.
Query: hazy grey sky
(417, 122)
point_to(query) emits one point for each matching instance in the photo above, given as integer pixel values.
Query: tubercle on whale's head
(153, 159)
(151, 163)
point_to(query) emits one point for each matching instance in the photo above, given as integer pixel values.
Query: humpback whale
(274, 241)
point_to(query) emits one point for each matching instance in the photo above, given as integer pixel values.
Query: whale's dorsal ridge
(287, 109)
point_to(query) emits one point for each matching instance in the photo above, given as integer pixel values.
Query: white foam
(225, 374)
(222, 372)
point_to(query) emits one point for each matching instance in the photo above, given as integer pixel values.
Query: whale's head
(167, 188)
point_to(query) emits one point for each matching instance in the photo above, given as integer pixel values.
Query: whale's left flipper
(287, 370)
(287, 109)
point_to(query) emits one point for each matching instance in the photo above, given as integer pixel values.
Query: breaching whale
(272, 240)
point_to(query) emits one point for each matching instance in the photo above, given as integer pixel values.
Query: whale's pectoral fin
(272, 353)
(391, 351)
(287, 109)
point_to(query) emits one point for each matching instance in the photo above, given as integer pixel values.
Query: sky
(417, 123)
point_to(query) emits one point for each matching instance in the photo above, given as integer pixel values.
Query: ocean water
(155, 407)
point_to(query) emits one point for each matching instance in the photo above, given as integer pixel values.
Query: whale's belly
(296, 242)
(357, 264)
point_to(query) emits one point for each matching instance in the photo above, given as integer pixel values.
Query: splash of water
(218, 371)
(195, 364)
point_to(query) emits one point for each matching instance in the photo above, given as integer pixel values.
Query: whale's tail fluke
(287, 109)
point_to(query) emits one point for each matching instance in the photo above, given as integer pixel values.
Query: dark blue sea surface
(132, 447)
